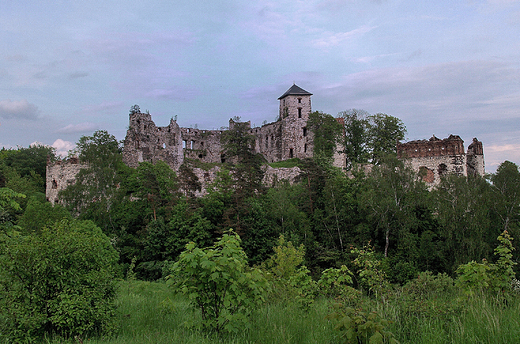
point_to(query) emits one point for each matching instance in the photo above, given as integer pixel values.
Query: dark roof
(295, 91)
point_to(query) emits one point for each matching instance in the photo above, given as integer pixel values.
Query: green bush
(289, 279)
(58, 282)
(218, 281)
(358, 326)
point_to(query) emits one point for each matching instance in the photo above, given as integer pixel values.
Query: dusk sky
(68, 68)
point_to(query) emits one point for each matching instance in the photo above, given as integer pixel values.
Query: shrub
(485, 276)
(361, 327)
(290, 280)
(336, 283)
(60, 281)
(218, 281)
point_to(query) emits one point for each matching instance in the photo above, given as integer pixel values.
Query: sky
(70, 67)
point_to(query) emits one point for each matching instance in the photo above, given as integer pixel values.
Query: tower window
(299, 112)
(299, 100)
(304, 131)
(291, 153)
(305, 148)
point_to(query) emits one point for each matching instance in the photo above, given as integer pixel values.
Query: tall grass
(151, 313)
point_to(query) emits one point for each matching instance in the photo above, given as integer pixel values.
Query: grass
(286, 163)
(149, 312)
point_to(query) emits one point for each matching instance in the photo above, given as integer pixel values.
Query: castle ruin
(435, 158)
(286, 138)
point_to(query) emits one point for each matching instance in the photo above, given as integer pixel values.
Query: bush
(290, 280)
(57, 282)
(218, 281)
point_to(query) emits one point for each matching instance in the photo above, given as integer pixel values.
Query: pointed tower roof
(295, 91)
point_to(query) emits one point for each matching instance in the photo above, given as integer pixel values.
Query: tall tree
(391, 199)
(327, 133)
(356, 136)
(384, 133)
(506, 191)
(96, 185)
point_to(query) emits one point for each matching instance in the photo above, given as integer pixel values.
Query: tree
(369, 138)
(506, 191)
(391, 199)
(158, 185)
(96, 185)
(384, 133)
(356, 136)
(327, 132)
(462, 209)
(59, 281)
(246, 173)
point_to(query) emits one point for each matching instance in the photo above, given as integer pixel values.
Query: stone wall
(59, 175)
(435, 158)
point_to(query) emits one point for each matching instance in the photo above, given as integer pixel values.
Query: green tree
(96, 187)
(9, 206)
(218, 281)
(356, 136)
(462, 209)
(506, 192)
(59, 281)
(391, 199)
(158, 184)
(327, 133)
(39, 214)
(384, 133)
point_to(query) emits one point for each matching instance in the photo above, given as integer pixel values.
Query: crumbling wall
(145, 141)
(435, 158)
(59, 175)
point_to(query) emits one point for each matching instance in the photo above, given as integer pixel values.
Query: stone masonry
(284, 139)
(435, 158)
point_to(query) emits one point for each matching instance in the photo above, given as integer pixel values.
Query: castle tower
(475, 158)
(295, 108)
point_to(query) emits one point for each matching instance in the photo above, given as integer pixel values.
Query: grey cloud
(18, 109)
(77, 75)
(78, 128)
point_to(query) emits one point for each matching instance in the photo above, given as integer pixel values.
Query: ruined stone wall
(145, 141)
(203, 145)
(269, 141)
(59, 175)
(435, 158)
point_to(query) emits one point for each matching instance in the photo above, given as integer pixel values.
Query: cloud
(78, 128)
(498, 153)
(63, 147)
(18, 109)
(77, 75)
(332, 39)
(103, 106)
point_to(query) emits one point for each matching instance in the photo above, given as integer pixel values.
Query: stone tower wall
(297, 140)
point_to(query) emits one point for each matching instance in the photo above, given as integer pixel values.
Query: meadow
(150, 312)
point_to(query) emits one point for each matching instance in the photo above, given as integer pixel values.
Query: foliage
(370, 138)
(218, 281)
(9, 206)
(496, 277)
(60, 281)
(94, 192)
(371, 276)
(289, 279)
(327, 132)
(38, 215)
(358, 326)
(337, 283)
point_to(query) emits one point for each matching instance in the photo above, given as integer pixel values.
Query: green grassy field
(149, 312)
